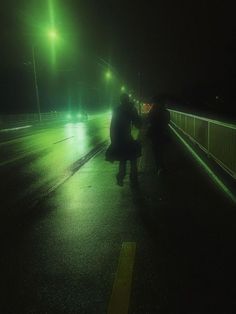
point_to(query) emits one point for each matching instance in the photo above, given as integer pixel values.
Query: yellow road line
(119, 302)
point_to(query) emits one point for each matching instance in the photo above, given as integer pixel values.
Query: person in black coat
(123, 147)
(158, 130)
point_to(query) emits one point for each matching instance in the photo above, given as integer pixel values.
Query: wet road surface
(173, 237)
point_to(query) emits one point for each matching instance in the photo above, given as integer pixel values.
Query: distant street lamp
(123, 88)
(108, 75)
(52, 34)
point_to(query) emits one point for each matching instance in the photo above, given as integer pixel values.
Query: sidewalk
(190, 264)
(185, 183)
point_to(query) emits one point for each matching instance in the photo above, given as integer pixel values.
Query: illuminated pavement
(61, 245)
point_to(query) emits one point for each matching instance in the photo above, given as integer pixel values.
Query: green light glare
(78, 132)
(51, 13)
(213, 176)
(52, 33)
(108, 75)
(123, 88)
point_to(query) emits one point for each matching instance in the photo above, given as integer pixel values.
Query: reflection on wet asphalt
(63, 255)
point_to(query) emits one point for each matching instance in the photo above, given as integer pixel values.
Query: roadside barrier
(217, 139)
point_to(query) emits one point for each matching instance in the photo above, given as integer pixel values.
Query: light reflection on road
(79, 133)
(42, 159)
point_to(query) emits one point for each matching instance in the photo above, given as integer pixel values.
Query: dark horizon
(186, 51)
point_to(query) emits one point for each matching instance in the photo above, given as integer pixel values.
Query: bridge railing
(31, 117)
(17, 120)
(217, 139)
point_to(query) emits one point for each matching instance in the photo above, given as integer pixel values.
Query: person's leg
(122, 172)
(133, 171)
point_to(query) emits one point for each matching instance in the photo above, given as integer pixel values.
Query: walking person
(158, 131)
(123, 147)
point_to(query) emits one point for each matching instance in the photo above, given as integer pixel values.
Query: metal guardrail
(217, 139)
(18, 120)
(31, 117)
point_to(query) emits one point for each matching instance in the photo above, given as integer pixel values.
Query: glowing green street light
(108, 75)
(123, 88)
(52, 34)
(53, 37)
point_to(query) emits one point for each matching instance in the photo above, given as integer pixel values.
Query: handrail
(230, 125)
(216, 138)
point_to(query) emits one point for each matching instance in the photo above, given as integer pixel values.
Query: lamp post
(52, 34)
(36, 83)
(140, 91)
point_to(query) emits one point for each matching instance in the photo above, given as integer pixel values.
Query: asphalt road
(72, 241)
(35, 160)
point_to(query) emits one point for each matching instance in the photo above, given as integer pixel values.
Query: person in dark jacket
(123, 147)
(158, 130)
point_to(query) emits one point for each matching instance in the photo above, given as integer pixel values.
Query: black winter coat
(158, 129)
(123, 146)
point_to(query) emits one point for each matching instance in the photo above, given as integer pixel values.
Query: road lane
(120, 297)
(14, 134)
(33, 164)
(67, 250)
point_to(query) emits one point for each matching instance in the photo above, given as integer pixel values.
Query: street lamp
(108, 75)
(123, 88)
(52, 34)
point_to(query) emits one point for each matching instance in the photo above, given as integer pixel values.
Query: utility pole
(140, 91)
(36, 83)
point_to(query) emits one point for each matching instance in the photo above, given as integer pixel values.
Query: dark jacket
(158, 125)
(123, 146)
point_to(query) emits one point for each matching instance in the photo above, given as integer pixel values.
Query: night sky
(177, 46)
